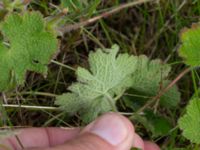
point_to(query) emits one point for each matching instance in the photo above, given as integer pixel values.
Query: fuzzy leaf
(150, 77)
(30, 47)
(189, 49)
(190, 122)
(108, 76)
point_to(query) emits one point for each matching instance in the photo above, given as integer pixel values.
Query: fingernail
(111, 128)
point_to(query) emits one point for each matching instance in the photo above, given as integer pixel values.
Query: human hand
(109, 132)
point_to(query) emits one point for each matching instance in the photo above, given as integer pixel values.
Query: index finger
(40, 138)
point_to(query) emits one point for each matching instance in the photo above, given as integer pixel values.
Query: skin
(76, 139)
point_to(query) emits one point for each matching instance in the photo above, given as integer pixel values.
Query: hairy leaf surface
(150, 77)
(108, 76)
(190, 122)
(27, 46)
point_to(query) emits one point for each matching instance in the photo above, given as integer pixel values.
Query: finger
(41, 137)
(138, 142)
(150, 146)
(109, 132)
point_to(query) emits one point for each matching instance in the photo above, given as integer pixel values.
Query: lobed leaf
(151, 77)
(27, 46)
(190, 122)
(108, 76)
(189, 49)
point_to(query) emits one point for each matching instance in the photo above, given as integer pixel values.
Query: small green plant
(190, 122)
(98, 88)
(109, 76)
(114, 79)
(27, 46)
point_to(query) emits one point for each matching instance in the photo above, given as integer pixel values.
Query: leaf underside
(108, 77)
(27, 46)
(151, 77)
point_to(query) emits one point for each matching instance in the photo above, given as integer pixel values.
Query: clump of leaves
(101, 85)
(190, 122)
(27, 46)
(98, 88)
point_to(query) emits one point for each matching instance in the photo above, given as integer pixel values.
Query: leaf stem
(31, 107)
(154, 99)
(111, 101)
(63, 65)
(36, 93)
(4, 98)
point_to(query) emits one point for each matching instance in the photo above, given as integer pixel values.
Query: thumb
(109, 132)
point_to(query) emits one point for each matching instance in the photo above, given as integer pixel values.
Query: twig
(63, 65)
(35, 93)
(19, 141)
(4, 98)
(71, 27)
(31, 107)
(150, 102)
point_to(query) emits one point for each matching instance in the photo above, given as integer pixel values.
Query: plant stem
(63, 65)
(31, 107)
(4, 98)
(71, 27)
(36, 93)
(150, 102)
(111, 101)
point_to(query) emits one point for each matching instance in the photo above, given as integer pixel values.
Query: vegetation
(66, 62)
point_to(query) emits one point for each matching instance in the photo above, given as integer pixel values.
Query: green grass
(151, 29)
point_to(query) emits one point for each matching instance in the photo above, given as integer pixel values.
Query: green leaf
(109, 75)
(27, 46)
(189, 49)
(190, 122)
(156, 124)
(150, 77)
(160, 126)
